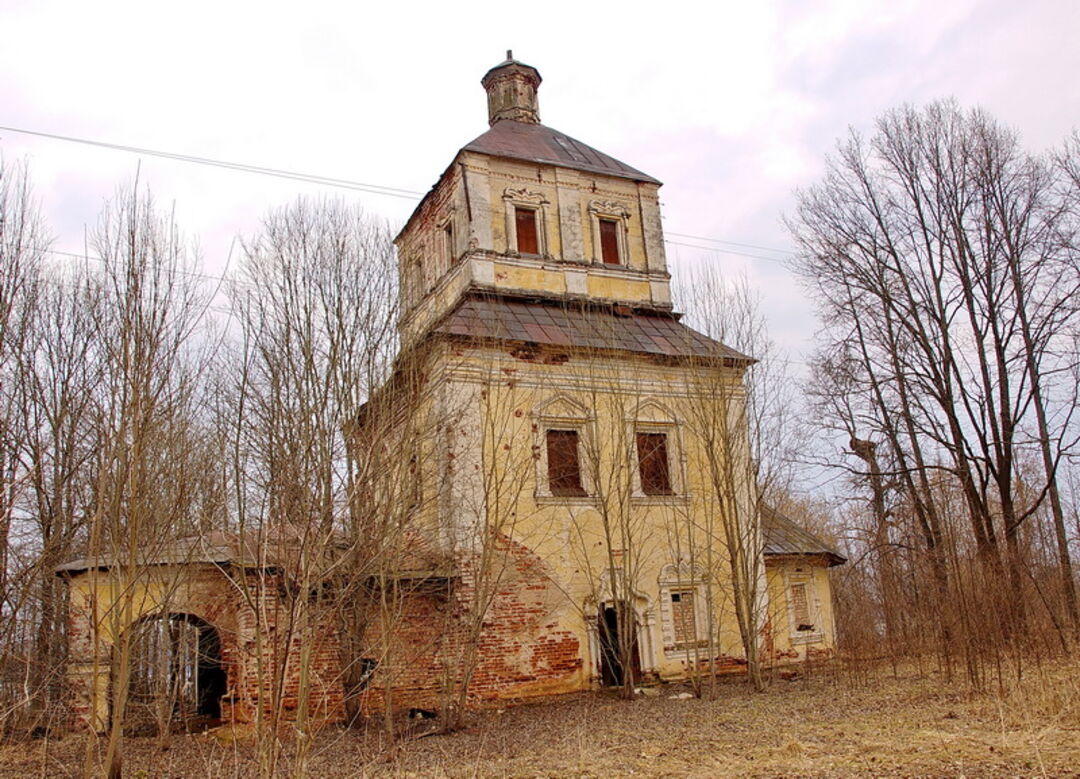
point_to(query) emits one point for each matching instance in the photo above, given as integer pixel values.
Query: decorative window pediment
(609, 220)
(561, 430)
(526, 221)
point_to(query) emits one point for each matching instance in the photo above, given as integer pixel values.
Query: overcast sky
(731, 105)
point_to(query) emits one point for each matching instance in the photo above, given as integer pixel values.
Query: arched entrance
(618, 635)
(621, 635)
(176, 675)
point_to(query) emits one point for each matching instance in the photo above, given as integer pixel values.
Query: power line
(730, 243)
(724, 251)
(376, 189)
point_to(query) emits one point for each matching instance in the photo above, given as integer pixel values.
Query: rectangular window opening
(564, 468)
(527, 235)
(448, 242)
(609, 242)
(653, 466)
(682, 615)
(800, 608)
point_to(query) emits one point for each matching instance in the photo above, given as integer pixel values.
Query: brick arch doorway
(177, 678)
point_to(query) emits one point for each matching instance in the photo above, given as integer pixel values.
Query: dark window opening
(653, 463)
(448, 238)
(527, 238)
(609, 242)
(564, 468)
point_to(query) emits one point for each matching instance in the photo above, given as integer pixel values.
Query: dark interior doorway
(616, 625)
(176, 673)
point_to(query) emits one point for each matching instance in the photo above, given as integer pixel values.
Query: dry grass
(912, 725)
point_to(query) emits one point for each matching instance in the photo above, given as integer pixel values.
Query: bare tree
(741, 409)
(939, 253)
(315, 302)
(146, 326)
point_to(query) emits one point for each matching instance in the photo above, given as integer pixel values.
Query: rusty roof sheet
(417, 559)
(783, 537)
(538, 143)
(556, 323)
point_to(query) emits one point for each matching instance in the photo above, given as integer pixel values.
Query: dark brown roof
(537, 143)
(555, 323)
(784, 537)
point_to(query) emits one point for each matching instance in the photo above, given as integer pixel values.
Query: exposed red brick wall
(520, 651)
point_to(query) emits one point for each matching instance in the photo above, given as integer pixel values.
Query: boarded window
(525, 221)
(653, 463)
(682, 616)
(564, 469)
(800, 607)
(609, 241)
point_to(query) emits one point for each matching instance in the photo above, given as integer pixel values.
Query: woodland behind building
(142, 401)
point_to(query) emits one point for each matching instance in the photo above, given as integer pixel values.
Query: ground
(827, 725)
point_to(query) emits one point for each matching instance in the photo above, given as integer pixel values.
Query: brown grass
(824, 726)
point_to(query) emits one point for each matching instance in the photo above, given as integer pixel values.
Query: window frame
(562, 413)
(513, 199)
(669, 486)
(652, 417)
(677, 579)
(448, 241)
(807, 580)
(578, 491)
(610, 211)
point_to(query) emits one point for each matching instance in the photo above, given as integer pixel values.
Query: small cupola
(511, 90)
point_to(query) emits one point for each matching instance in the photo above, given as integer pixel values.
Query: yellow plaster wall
(499, 452)
(431, 284)
(785, 639)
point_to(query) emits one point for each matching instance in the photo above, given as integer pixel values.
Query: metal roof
(280, 549)
(558, 323)
(783, 537)
(538, 143)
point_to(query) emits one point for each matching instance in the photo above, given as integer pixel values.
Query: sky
(732, 105)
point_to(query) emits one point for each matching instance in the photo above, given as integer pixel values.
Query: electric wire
(376, 189)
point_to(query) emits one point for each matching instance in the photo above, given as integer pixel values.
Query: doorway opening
(618, 644)
(177, 680)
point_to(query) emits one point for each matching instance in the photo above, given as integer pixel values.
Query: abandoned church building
(562, 492)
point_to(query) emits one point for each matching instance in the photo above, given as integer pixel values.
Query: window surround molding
(644, 616)
(618, 213)
(652, 417)
(562, 413)
(684, 576)
(806, 578)
(535, 201)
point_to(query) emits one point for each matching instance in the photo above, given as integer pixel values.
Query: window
(609, 222)
(800, 609)
(682, 616)
(653, 466)
(803, 608)
(527, 238)
(609, 241)
(684, 607)
(448, 242)
(564, 468)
